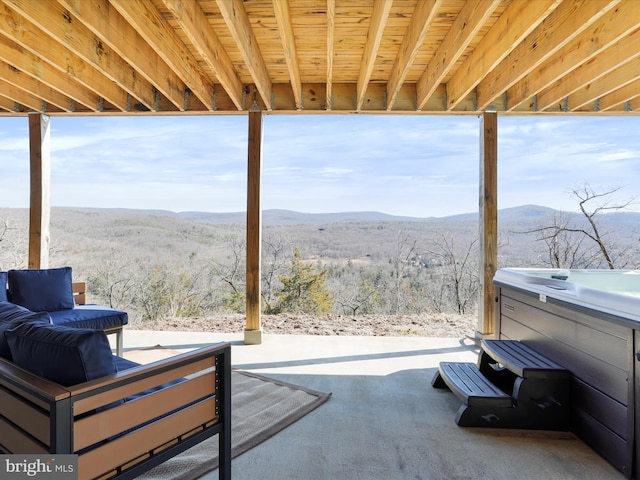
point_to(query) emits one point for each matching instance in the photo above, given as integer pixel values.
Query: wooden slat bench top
(471, 386)
(522, 360)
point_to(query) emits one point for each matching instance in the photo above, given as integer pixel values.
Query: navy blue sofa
(62, 391)
(53, 291)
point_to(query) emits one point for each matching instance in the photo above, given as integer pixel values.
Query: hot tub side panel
(599, 354)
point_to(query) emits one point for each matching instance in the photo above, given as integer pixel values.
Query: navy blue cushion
(90, 316)
(10, 316)
(10, 312)
(3, 286)
(49, 290)
(65, 355)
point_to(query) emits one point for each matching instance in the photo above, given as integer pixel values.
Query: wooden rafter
(619, 96)
(472, 17)
(20, 58)
(558, 29)
(237, 20)
(578, 50)
(401, 56)
(29, 84)
(78, 39)
(512, 27)
(374, 37)
(195, 25)
(288, 40)
(634, 104)
(604, 85)
(155, 29)
(113, 30)
(331, 32)
(421, 20)
(7, 104)
(39, 44)
(21, 96)
(620, 53)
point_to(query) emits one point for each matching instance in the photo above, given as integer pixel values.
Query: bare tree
(276, 249)
(401, 262)
(231, 272)
(564, 248)
(10, 253)
(564, 240)
(458, 282)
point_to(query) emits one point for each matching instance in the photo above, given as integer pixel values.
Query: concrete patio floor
(384, 420)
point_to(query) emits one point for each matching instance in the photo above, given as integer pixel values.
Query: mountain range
(524, 213)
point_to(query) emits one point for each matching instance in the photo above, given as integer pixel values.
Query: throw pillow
(10, 316)
(10, 312)
(65, 355)
(42, 290)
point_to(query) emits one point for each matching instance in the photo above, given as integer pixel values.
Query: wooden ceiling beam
(288, 40)
(620, 96)
(604, 85)
(18, 57)
(610, 28)
(513, 26)
(8, 104)
(29, 84)
(374, 37)
(421, 20)
(144, 17)
(38, 43)
(237, 20)
(634, 104)
(111, 27)
(331, 32)
(555, 31)
(20, 96)
(197, 28)
(469, 21)
(588, 72)
(77, 38)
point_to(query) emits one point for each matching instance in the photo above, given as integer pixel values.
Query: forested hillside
(164, 264)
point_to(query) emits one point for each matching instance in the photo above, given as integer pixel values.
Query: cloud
(402, 164)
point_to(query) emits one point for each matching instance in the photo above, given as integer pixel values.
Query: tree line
(419, 271)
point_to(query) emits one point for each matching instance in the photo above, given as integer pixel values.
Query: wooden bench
(187, 399)
(511, 386)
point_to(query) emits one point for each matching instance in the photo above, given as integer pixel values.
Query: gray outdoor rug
(260, 408)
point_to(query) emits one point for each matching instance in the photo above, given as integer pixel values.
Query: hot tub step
(522, 360)
(470, 386)
(512, 386)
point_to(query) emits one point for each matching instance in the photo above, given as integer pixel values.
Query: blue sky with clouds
(403, 165)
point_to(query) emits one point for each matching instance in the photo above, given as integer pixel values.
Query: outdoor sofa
(62, 391)
(53, 291)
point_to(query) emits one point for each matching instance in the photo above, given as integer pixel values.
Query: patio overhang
(418, 57)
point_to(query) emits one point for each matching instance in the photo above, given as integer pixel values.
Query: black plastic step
(471, 386)
(523, 360)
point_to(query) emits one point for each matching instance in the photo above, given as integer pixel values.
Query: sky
(410, 165)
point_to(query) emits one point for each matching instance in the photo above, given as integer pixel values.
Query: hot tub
(616, 292)
(589, 322)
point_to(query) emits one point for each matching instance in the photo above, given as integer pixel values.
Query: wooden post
(40, 199)
(253, 330)
(488, 222)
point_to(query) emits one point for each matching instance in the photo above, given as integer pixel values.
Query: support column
(253, 330)
(488, 223)
(40, 197)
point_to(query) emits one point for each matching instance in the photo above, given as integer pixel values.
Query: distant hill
(527, 213)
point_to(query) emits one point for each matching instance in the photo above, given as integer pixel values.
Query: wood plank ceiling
(98, 57)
